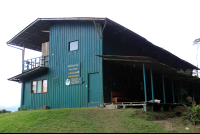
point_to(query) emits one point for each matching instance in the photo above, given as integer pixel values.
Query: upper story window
(73, 46)
(39, 86)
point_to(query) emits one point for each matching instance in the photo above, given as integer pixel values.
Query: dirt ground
(175, 124)
(170, 121)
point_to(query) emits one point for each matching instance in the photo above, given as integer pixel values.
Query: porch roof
(168, 71)
(21, 77)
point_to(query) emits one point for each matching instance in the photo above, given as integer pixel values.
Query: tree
(197, 43)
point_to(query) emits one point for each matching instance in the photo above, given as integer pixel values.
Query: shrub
(18, 108)
(193, 112)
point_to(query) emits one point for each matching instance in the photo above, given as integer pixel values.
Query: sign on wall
(73, 81)
(73, 71)
(73, 75)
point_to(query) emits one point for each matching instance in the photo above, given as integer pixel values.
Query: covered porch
(146, 81)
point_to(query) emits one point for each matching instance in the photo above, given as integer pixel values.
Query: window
(73, 46)
(39, 86)
(55, 81)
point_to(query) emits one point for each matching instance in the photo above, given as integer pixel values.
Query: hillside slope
(13, 108)
(78, 120)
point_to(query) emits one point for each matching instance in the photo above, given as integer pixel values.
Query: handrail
(34, 62)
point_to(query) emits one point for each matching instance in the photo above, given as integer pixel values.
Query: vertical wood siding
(89, 45)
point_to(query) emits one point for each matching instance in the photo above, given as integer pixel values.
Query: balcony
(35, 62)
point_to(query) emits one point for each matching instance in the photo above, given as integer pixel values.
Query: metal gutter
(73, 18)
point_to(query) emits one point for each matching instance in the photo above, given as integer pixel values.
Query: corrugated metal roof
(32, 36)
(149, 61)
(24, 75)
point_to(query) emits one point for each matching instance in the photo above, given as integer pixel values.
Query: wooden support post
(117, 106)
(145, 92)
(163, 87)
(173, 108)
(169, 108)
(23, 54)
(124, 106)
(145, 107)
(173, 90)
(152, 108)
(152, 84)
(97, 30)
(31, 64)
(178, 99)
(35, 62)
(161, 108)
(181, 92)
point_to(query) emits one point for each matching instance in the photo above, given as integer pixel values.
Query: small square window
(55, 81)
(73, 46)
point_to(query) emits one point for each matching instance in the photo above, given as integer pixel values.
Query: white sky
(170, 24)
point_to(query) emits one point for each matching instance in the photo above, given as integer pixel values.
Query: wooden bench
(115, 96)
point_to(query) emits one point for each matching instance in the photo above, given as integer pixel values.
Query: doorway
(93, 90)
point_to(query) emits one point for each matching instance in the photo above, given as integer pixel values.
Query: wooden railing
(35, 62)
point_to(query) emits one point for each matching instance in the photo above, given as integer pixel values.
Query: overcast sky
(170, 24)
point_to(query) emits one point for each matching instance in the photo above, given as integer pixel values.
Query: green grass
(80, 120)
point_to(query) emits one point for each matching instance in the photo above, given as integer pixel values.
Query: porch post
(163, 87)
(22, 95)
(145, 92)
(181, 92)
(23, 53)
(173, 90)
(152, 84)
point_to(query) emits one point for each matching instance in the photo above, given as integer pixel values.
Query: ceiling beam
(34, 32)
(35, 35)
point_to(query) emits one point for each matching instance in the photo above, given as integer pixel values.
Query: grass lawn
(92, 120)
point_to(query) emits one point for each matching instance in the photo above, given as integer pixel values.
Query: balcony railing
(35, 62)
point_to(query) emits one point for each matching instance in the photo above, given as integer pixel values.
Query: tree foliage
(197, 43)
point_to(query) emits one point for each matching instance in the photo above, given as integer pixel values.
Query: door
(93, 90)
(27, 95)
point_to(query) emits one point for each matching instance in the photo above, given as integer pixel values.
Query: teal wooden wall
(89, 45)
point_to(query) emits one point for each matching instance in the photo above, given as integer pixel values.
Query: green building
(87, 62)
